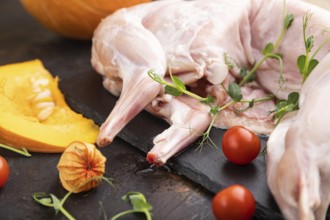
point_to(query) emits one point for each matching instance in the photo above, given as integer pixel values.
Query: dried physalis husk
(79, 163)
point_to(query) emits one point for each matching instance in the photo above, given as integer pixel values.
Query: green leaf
(45, 201)
(243, 72)
(280, 109)
(229, 62)
(155, 76)
(214, 110)
(234, 91)
(281, 104)
(278, 113)
(209, 99)
(172, 91)
(285, 106)
(301, 63)
(269, 48)
(309, 43)
(290, 108)
(288, 21)
(137, 200)
(312, 64)
(139, 203)
(42, 198)
(178, 83)
(56, 202)
(293, 98)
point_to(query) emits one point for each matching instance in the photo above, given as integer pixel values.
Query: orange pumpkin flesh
(34, 114)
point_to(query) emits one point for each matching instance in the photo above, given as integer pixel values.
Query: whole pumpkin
(74, 18)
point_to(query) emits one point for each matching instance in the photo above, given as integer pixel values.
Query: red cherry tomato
(235, 203)
(240, 145)
(4, 171)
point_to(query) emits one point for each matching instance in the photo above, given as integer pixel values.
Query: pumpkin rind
(74, 18)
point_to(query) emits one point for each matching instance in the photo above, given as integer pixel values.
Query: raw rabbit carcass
(206, 43)
(152, 36)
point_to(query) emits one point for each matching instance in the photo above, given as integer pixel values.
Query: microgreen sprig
(252, 102)
(177, 87)
(285, 106)
(214, 111)
(50, 200)
(139, 203)
(307, 62)
(268, 51)
(23, 151)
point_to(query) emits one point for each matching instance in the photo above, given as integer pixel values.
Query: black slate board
(207, 167)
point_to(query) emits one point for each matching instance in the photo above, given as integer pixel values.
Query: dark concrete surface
(182, 192)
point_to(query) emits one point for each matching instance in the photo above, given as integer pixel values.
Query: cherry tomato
(240, 145)
(4, 171)
(235, 203)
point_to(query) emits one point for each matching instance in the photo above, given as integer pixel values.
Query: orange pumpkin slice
(33, 111)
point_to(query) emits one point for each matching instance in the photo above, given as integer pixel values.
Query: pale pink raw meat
(151, 36)
(298, 152)
(188, 118)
